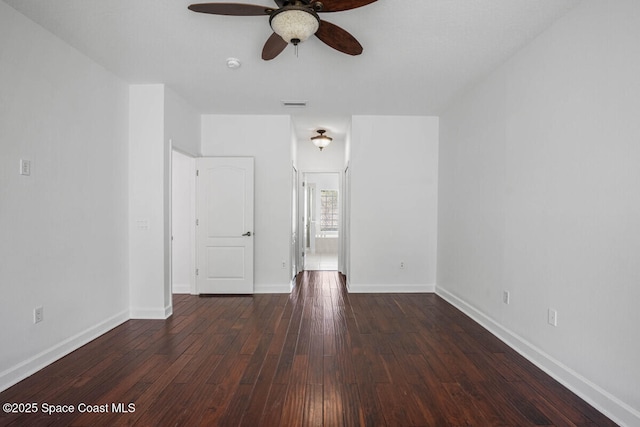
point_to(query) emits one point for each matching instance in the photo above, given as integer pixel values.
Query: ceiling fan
(293, 21)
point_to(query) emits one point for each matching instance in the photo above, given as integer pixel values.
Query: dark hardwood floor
(318, 357)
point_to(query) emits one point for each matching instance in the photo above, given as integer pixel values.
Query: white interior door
(224, 225)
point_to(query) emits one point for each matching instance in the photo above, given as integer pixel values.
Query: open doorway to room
(321, 220)
(182, 223)
(320, 202)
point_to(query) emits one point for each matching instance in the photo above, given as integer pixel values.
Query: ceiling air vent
(294, 104)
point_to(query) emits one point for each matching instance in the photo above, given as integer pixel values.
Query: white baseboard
(181, 288)
(151, 313)
(17, 373)
(605, 402)
(284, 288)
(390, 289)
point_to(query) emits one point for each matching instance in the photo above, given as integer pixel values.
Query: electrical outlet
(284, 265)
(402, 264)
(552, 317)
(38, 314)
(505, 297)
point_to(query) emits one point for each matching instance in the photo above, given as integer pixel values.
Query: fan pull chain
(296, 49)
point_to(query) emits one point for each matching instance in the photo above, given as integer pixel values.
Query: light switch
(25, 167)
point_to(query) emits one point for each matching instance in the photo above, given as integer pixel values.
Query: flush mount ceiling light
(294, 21)
(321, 140)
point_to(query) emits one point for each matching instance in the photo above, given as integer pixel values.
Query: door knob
(248, 234)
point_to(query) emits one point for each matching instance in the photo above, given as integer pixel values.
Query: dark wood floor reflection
(318, 357)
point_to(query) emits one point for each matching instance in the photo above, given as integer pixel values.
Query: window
(328, 210)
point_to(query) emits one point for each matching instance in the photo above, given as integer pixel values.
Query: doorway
(320, 208)
(183, 205)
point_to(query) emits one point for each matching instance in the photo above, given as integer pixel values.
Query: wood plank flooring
(316, 357)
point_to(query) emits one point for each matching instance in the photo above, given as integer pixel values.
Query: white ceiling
(418, 54)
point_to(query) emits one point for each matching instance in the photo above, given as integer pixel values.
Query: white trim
(192, 230)
(284, 288)
(181, 288)
(151, 313)
(605, 402)
(390, 289)
(17, 373)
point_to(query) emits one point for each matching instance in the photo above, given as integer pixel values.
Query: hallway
(321, 262)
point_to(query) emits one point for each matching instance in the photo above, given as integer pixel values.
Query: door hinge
(303, 183)
(197, 172)
(197, 222)
(197, 272)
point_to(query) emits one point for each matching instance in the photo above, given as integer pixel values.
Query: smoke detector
(233, 63)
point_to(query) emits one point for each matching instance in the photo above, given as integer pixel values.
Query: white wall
(182, 124)
(268, 140)
(64, 227)
(293, 144)
(149, 204)
(539, 195)
(394, 170)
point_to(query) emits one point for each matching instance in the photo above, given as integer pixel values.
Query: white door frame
(295, 231)
(342, 238)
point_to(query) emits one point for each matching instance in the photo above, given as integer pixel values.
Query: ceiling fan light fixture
(294, 24)
(322, 140)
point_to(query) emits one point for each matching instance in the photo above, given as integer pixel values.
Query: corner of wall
(32, 365)
(600, 399)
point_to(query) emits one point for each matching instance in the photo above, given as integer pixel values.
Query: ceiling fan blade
(272, 48)
(234, 9)
(338, 5)
(281, 3)
(339, 39)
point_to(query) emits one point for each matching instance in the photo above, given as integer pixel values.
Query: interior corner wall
(182, 124)
(539, 196)
(268, 140)
(64, 243)
(393, 203)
